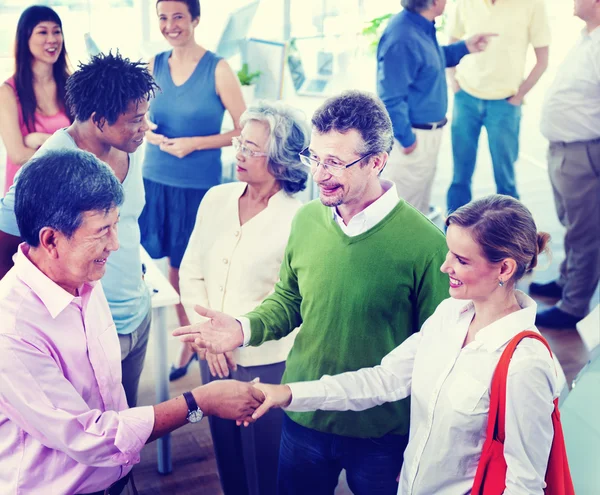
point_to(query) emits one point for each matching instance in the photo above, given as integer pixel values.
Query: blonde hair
(504, 228)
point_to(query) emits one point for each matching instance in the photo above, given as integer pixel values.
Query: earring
(501, 283)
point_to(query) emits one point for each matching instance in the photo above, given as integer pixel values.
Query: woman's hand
(35, 139)
(220, 364)
(275, 396)
(151, 136)
(180, 147)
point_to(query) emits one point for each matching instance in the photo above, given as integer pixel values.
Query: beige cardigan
(232, 268)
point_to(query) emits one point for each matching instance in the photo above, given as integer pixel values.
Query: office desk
(163, 296)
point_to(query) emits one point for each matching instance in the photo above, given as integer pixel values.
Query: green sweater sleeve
(278, 314)
(432, 288)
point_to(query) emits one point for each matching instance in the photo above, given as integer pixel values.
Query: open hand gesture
(221, 333)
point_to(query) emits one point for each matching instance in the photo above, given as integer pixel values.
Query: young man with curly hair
(108, 98)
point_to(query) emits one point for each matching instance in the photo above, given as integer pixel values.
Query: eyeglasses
(332, 167)
(247, 152)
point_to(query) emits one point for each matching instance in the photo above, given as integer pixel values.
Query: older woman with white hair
(232, 263)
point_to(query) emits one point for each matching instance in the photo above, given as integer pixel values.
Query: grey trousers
(133, 353)
(574, 170)
(247, 458)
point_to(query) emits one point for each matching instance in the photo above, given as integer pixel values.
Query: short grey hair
(288, 136)
(360, 111)
(417, 5)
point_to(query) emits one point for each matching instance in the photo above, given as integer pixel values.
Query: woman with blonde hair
(447, 367)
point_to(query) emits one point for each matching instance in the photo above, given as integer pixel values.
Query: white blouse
(449, 389)
(231, 267)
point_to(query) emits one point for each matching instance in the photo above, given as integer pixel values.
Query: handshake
(229, 399)
(240, 401)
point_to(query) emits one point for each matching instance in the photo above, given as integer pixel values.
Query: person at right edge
(571, 122)
(489, 88)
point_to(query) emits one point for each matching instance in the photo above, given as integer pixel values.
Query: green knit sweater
(357, 298)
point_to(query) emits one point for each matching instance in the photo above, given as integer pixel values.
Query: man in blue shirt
(411, 81)
(109, 99)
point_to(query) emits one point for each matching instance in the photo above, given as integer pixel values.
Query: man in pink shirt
(65, 427)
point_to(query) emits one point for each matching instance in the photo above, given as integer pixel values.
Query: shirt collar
(378, 209)
(52, 295)
(593, 35)
(425, 24)
(495, 336)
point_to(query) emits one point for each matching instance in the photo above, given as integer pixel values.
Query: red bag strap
(497, 414)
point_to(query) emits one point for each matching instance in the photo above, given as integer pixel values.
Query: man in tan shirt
(489, 87)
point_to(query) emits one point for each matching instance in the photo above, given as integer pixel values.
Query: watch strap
(191, 402)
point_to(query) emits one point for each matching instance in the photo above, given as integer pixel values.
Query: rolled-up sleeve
(36, 395)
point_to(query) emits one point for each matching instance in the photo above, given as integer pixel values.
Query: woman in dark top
(183, 153)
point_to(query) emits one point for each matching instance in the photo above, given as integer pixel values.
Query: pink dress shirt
(65, 427)
(47, 124)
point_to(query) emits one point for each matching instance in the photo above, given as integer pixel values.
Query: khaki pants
(413, 174)
(574, 170)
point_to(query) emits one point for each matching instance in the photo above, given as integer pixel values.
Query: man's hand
(220, 364)
(479, 42)
(410, 149)
(153, 137)
(229, 399)
(221, 333)
(515, 100)
(179, 147)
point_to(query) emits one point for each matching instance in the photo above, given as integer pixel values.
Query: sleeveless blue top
(192, 109)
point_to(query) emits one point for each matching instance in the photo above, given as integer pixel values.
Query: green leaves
(246, 77)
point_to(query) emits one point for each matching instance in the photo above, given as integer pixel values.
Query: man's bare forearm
(536, 72)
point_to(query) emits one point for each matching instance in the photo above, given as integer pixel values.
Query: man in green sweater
(360, 274)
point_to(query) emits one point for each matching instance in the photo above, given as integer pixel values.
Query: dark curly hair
(106, 85)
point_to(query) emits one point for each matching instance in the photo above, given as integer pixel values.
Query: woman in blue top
(183, 154)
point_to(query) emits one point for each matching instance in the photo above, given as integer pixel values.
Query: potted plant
(247, 80)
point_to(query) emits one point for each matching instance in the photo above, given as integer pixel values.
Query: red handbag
(490, 478)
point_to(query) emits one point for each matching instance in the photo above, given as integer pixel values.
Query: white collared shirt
(571, 110)
(372, 214)
(449, 389)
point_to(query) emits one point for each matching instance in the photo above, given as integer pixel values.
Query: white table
(163, 296)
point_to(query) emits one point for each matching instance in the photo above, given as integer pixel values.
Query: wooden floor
(194, 464)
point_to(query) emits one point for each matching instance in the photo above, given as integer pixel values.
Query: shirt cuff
(135, 427)
(246, 330)
(307, 396)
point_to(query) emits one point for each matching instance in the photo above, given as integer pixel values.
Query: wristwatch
(195, 414)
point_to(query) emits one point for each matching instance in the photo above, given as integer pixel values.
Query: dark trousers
(247, 458)
(310, 462)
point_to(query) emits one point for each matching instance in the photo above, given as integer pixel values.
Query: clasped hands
(214, 340)
(178, 147)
